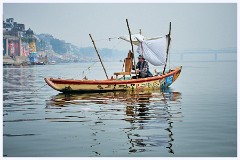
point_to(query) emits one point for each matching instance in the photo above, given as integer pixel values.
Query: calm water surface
(196, 116)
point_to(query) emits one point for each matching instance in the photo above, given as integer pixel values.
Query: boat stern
(171, 78)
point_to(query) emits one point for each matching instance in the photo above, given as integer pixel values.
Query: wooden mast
(132, 48)
(98, 56)
(169, 40)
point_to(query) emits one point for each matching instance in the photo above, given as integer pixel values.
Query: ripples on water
(148, 116)
(200, 120)
(102, 124)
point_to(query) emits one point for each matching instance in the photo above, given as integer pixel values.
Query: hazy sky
(194, 26)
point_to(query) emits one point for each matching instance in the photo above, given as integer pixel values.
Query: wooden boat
(146, 47)
(155, 82)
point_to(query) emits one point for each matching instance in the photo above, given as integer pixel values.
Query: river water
(195, 117)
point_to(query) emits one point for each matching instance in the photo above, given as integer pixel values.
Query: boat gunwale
(50, 83)
(53, 81)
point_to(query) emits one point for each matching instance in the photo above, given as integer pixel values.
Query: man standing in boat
(143, 68)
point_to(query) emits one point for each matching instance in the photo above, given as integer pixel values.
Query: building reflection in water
(18, 79)
(151, 114)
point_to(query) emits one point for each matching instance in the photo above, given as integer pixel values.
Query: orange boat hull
(150, 83)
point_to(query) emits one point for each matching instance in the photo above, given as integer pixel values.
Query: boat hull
(150, 83)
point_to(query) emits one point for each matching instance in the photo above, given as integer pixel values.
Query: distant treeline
(61, 47)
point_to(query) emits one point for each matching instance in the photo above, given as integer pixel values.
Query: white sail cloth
(136, 38)
(154, 50)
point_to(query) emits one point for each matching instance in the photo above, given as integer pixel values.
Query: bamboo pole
(98, 55)
(132, 48)
(169, 40)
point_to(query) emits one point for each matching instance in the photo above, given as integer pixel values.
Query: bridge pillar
(215, 56)
(181, 57)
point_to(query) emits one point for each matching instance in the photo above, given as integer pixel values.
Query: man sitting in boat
(143, 68)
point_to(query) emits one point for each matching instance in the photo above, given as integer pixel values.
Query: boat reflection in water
(145, 118)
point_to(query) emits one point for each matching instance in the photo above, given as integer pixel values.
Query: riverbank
(18, 60)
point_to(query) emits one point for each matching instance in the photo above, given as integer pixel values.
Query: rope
(106, 39)
(123, 65)
(117, 44)
(38, 88)
(112, 38)
(82, 73)
(88, 68)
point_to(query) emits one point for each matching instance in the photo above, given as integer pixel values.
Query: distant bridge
(229, 56)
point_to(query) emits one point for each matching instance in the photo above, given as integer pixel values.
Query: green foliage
(58, 46)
